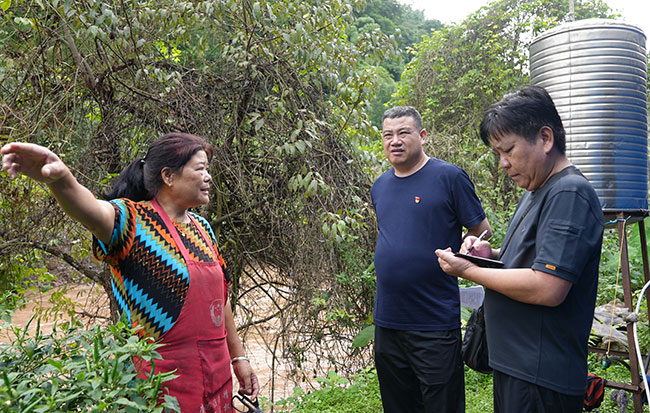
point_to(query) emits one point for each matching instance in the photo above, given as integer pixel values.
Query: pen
(479, 239)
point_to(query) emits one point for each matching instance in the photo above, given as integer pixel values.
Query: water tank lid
(588, 24)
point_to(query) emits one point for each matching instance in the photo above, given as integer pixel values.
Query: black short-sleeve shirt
(561, 234)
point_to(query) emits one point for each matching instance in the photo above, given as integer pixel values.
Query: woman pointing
(167, 275)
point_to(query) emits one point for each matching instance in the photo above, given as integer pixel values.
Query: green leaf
(93, 31)
(126, 402)
(5, 4)
(23, 21)
(301, 146)
(256, 10)
(465, 313)
(364, 337)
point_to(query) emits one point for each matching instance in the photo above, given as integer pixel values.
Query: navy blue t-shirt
(416, 215)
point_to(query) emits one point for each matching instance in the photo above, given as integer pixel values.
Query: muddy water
(91, 306)
(87, 300)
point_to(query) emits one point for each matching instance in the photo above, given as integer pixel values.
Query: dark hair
(403, 111)
(523, 113)
(140, 180)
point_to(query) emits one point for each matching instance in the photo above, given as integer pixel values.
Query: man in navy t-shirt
(539, 308)
(421, 204)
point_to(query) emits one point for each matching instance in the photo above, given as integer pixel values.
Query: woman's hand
(41, 164)
(34, 161)
(247, 379)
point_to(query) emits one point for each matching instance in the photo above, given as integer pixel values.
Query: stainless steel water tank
(595, 71)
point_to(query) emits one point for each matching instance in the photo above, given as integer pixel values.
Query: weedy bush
(73, 369)
(361, 394)
(478, 392)
(337, 394)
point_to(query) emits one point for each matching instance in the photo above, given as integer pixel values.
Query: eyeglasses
(244, 402)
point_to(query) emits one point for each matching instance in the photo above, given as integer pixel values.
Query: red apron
(196, 346)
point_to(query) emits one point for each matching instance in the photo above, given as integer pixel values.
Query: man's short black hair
(523, 113)
(403, 111)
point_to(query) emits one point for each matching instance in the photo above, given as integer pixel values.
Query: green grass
(361, 393)
(338, 395)
(478, 392)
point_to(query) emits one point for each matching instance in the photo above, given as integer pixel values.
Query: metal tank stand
(636, 385)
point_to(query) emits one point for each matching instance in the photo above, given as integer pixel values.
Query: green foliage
(459, 70)
(610, 281)
(275, 86)
(288, 92)
(394, 19)
(478, 392)
(386, 86)
(364, 337)
(361, 394)
(635, 252)
(25, 264)
(610, 287)
(20, 270)
(405, 27)
(337, 394)
(357, 283)
(77, 370)
(9, 301)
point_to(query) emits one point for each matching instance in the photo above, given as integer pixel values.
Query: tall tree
(407, 26)
(460, 69)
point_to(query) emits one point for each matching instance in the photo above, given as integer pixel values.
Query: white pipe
(572, 14)
(638, 348)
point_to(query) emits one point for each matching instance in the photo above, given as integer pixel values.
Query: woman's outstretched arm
(43, 165)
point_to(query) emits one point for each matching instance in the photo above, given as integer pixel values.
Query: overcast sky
(636, 12)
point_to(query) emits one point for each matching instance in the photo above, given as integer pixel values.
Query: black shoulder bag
(475, 348)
